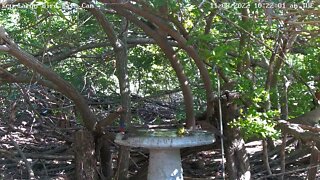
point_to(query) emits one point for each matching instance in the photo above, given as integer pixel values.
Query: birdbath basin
(164, 146)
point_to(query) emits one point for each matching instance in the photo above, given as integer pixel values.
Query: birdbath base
(164, 146)
(165, 164)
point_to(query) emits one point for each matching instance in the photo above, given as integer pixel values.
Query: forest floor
(43, 149)
(207, 165)
(47, 153)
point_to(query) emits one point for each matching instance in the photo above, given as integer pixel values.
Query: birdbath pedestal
(164, 146)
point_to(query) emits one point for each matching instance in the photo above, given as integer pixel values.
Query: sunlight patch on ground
(253, 147)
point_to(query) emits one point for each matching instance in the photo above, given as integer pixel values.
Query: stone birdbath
(164, 146)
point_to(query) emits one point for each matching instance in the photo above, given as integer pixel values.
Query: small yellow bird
(181, 130)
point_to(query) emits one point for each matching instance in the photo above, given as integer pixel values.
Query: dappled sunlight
(113, 90)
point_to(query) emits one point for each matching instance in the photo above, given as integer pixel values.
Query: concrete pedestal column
(164, 146)
(165, 164)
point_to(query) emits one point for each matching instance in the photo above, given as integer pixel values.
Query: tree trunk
(123, 163)
(314, 161)
(236, 155)
(284, 115)
(106, 157)
(122, 73)
(170, 54)
(266, 156)
(237, 165)
(85, 159)
(119, 45)
(283, 155)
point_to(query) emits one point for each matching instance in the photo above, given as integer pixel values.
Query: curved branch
(7, 77)
(190, 50)
(120, 48)
(169, 52)
(63, 86)
(298, 132)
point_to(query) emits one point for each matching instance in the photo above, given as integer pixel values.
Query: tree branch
(10, 78)
(298, 132)
(64, 87)
(169, 52)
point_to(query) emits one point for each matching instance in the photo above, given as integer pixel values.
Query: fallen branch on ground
(290, 172)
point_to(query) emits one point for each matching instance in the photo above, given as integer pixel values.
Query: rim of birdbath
(165, 138)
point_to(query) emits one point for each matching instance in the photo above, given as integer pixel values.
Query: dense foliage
(68, 39)
(266, 52)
